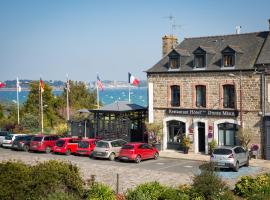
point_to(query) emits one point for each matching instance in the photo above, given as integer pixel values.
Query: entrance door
(201, 136)
(176, 130)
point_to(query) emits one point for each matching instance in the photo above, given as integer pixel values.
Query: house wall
(251, 101)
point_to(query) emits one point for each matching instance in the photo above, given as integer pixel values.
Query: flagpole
(67, 89)
(18, 103)
(41, 106)
(97, 95)
(129, 93)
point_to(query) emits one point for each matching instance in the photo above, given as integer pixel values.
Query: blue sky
(52, 38)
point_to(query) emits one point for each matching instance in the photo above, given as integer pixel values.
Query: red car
(66, 145)
(138, 151)
(43, 143)
(86, 146)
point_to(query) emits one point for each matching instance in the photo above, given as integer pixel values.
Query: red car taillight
(231, 156)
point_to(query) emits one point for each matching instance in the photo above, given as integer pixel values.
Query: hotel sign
(201, 112)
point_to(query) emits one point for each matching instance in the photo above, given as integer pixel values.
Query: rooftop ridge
(214, 36)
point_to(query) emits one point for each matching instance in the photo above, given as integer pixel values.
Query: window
(228, 60)
(227, 134)
(228, 96)
(199, 61)
(201, 96)
(175, 96)
(174, 62)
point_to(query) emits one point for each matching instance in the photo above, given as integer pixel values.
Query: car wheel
(156, 156)
(138, 159)
(68, 152)
(48, 149)
(26, 148)
(112, 156)
(236, 168)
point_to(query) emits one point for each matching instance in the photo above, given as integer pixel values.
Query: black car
(22, 142)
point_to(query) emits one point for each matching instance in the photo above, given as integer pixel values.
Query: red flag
(41, 85)
(2, 84)
(99, 83)
(133, 80)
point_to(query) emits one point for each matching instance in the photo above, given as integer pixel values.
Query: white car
(7, 142)
(230, 157)
(3, 134)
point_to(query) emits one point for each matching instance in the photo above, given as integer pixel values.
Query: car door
(243, 155)
(149, 152)
(142, 151)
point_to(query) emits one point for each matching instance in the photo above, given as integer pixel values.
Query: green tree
(79, 97)
(1, 112)
(30, 122)
(50, 104)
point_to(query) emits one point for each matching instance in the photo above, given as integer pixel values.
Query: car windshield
(60, 143)
(38, 139)
(8, 137)
(128, 147)
(222, 151)
(101, 144)
(83, 144)
(19, 138)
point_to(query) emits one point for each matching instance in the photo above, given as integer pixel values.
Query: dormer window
(229, 55)
(199, 58)
(174, 60)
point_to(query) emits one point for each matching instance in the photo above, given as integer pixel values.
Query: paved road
(167, 171)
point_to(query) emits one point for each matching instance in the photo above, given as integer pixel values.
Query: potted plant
(212, 145)
(185, 144)
(154, 131)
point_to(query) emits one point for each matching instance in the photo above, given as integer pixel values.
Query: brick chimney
(169, 42)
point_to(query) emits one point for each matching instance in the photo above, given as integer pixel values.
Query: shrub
(55, 176)
(209, 185)
(14, 180)
(61, 196)
(99, 191)
(250, 187)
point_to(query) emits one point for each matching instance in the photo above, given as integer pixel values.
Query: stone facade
(251, 101)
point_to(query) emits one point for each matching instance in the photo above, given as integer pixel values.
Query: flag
(41, 85)
(2, 84)
(99, 83)
(19, 89)
(132, 80)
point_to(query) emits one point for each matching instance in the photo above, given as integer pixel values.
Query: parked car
(22, 142)
(3, 134)
(230, 157)
(86, 147)
(43, 143)
(66, 145)
(7, 142)
(108, 148)
(136, 151)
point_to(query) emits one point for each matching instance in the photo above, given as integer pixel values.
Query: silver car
(230, 157)
(108, 148)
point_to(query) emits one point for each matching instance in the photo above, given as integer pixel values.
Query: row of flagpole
(99, 86)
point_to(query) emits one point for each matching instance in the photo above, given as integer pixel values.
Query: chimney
(169, 42)
(269, 24)
(238, 29)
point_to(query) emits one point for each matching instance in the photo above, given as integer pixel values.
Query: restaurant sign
(203, 112)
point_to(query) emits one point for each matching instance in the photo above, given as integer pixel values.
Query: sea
(107, 96)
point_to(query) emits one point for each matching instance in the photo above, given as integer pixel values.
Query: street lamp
(241, 111)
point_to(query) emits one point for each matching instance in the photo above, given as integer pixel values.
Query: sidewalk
(206, 158)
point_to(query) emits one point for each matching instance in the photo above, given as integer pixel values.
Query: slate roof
(120, 106)
(250, 48)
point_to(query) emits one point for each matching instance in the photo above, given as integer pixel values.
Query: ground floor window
(176, 131)
(227, 134)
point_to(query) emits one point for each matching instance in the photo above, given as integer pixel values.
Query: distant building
(208, 87)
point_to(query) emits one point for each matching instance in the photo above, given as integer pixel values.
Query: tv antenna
(173, 25)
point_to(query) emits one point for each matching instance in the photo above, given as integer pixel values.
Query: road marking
(160, 163)
(188, 166)
(170, 166)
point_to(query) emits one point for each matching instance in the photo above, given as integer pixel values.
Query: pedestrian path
(206, 158)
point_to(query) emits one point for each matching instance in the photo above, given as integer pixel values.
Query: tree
(79, 97)
(244, 136)
(50, 104)
(154, 132)
(30, 122)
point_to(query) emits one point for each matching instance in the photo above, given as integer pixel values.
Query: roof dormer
(174, 60)
(229, 56)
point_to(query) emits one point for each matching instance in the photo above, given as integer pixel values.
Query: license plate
(15, 145)
(58, 149)
(98, 153)
(220, 164)
(124, 158)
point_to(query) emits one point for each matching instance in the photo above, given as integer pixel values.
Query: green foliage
(30, 122)
(252, 187)
(209, 185)
(61, 196)
(212, 145)
(8, 120)
(21, 181)
(155, 191)
(244, 136)
(156, 130)
(1, 112)
(61, 129)
(14, 180)
(99, 191)
(185, 141)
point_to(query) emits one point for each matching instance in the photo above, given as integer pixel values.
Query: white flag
(19, 89)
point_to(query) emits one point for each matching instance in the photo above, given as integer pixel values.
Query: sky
(52, 38)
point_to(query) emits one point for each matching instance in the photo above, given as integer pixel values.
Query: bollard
(117, 183)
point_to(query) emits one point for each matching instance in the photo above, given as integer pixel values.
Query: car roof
(227, 147)
(111, 140)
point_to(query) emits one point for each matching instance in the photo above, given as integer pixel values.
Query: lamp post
(241, 95)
